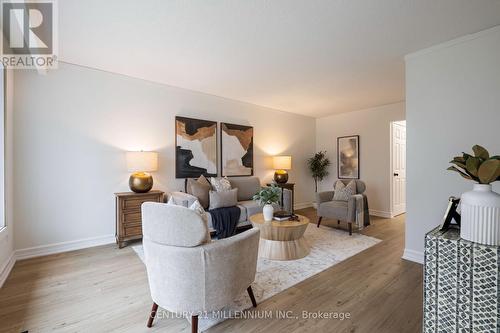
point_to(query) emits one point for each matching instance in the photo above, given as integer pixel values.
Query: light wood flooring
(104, 289)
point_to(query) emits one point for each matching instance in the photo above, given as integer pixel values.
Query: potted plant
(318, 166)
(266, 197)
(480, 208)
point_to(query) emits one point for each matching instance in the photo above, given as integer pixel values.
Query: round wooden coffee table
(281, 240)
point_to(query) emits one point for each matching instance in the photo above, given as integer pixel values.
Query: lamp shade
(282, 162)
(142, 161)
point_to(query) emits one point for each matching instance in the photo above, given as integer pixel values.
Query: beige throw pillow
(220, 184)
(223, 198)
(196, 206)
(199, 188)
(343, 192)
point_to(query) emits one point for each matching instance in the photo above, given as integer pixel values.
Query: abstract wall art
(348, 157)
(236, 150)
(195, 148)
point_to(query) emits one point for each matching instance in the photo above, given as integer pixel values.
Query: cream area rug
(328, 247)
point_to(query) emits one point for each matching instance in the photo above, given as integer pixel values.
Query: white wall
(7, 234)
(373, 127)
(452, 103)
(73, 125)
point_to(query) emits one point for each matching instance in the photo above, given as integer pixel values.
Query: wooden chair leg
(338, 221)
(194, 324)
(152, 315)
(319, 220)
(252, 297)
(350, 229)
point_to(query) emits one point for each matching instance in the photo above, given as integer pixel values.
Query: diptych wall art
(348, 157)
(236, 150)
(196, 148)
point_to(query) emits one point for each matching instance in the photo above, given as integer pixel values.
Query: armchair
(339, 210)
(186, 273)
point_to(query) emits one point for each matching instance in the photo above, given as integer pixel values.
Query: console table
(128, 214)
(461, 284)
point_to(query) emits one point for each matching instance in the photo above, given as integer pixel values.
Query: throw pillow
(220, 184)
(199, 188)
(223, 198)
(343, 192)
(182, 199)
(197, 208)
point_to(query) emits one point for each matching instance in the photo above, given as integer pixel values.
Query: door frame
(391, 170)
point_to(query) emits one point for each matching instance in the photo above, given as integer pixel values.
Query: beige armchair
(187, 273)
(340, 210)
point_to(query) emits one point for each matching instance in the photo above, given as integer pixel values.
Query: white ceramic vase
(480, 211)
(268, 212)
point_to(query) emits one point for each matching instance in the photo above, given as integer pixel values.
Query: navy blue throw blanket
(225, 220)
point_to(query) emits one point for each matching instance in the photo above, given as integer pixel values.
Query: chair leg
(152, 315)
(319, 220)
(194, 324)
(338, 221)
(252, 297)
(350, 229)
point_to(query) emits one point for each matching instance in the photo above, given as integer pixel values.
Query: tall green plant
(481, 167)
(318, 166)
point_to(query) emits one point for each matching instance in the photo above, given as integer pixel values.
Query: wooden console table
(128, 214)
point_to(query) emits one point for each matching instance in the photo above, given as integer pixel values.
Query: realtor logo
(29, 33)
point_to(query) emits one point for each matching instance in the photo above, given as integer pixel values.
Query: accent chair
(188, 273)
(337, 209)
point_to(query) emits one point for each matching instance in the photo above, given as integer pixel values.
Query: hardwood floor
(104, 289)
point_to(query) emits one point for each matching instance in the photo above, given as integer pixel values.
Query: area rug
(328, 247)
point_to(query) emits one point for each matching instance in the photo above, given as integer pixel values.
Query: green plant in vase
(266, 197)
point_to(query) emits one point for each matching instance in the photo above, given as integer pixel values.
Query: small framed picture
(450, 214)
(348, 157)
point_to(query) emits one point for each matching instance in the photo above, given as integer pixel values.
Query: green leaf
(480, 152)
(489, 171)
(459, 164)
(458, 159)
(472, 165)
(463, 174)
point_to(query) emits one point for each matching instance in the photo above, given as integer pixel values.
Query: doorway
(398, 167)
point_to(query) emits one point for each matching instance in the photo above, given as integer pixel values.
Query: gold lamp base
(280, 176)
(140, 182)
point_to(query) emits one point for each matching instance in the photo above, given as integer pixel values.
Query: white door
(398, 168)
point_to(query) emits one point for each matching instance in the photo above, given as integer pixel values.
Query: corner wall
(452, 103)
(73, 125)
(7, 258)
(373, 127)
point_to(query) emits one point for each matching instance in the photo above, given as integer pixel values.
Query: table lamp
(281, 164)
(140, 163)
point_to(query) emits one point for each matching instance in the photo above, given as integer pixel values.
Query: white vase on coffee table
(268, 211)
(480, 215)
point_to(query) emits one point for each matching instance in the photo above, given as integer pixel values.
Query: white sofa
(187, 272)
(247, 188)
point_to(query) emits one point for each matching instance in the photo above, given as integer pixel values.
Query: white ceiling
(309, 57)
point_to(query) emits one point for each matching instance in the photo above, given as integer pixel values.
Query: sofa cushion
(333, 209)
(199, 188)
(223, 198)
(247, 187)
(252, 207)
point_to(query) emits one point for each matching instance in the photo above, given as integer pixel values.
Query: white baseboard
(5, 271)
(302, 205)
(415, 256)
(380, 213)
(44, 250)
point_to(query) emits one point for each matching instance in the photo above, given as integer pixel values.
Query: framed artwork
(348, 157)
(195, 148)
(450, 214)
(236, 150)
